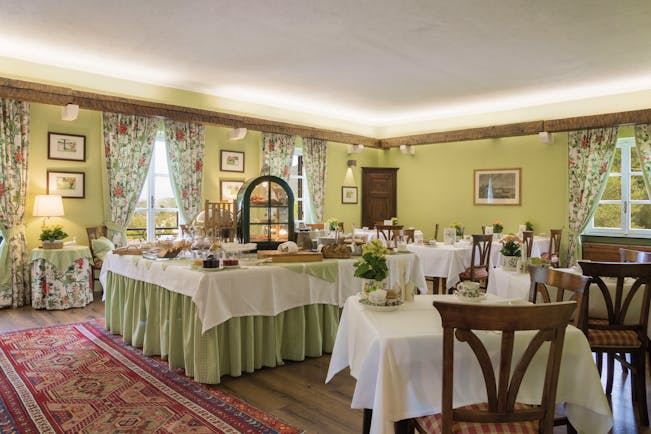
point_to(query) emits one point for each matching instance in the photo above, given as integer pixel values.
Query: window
(298, 184)
(624, 209)
(157, 213)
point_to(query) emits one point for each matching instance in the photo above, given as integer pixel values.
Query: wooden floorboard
(296, 392)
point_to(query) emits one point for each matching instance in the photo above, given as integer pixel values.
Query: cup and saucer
(470, 292)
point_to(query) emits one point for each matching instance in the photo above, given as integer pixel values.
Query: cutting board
(278, 256)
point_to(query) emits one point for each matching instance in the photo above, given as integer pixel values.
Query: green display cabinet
(266, 212)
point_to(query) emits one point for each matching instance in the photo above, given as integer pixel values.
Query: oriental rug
(78, 378)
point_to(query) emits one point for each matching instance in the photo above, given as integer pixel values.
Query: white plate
(470, 299)
(379, 308)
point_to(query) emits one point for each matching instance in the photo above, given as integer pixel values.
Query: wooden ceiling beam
(598, 121)
(492, 132)
(57, 95)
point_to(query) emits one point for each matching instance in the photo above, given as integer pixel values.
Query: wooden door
(379, 201)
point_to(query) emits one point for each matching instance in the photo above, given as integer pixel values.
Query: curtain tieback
(14, 231)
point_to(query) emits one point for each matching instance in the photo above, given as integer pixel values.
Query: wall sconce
(408, 149)
(352, 163)
(69, 112)
(355, 149)
(48, 205)
(546, 137)
(237, 134)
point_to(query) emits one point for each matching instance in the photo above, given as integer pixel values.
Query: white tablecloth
(448, 260)
(259, 290)
(396, 359)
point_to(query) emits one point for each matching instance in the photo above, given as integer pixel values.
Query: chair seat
(613, 338)
(431, 424)
(480, 273)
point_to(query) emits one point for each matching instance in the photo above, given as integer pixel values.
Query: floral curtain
(314, 159)
(589, 157)
(128, 145)
(643, 145)
(14, 143)
(277, 153)
(185, 149)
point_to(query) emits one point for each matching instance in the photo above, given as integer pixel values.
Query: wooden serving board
(278, 256)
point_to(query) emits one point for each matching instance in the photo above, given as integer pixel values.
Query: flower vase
(370, 285)
(510, 262)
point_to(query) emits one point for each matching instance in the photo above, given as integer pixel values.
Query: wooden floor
(296, 392)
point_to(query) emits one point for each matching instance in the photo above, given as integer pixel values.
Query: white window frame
(627, 145)
(150, 182)
(305, 200)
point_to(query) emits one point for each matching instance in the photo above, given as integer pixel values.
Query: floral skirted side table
(61, 278)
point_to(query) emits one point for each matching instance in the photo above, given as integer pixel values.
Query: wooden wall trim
(57, 95)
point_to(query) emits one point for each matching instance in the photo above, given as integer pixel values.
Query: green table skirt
(165, 323)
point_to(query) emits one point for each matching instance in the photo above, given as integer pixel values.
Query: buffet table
(213, 323)
(396, 359)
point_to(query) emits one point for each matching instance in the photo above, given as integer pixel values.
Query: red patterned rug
(78, 378)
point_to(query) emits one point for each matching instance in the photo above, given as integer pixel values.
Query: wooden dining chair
(220, 220)
(501, 413)
(388, 233)
(94, 233)
(409, 235)
(479, 260)
(553, 250)
(627, 255)
(436, 231)
(624, 331)
(527, 237)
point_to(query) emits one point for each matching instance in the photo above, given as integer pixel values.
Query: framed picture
(231, 161)
(348, 194)
(229, 189)
(66, 184)
(497, 187)
(66, 147)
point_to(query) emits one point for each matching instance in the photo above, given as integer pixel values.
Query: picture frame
(70, 185)
(231, 161)
(70, 147)
(497, 186)
(348, 194)
(229, 189)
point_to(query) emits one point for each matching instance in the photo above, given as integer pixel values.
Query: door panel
(379, 201)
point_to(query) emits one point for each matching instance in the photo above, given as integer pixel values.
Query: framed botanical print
(231, 161)
(229, 189)
(66, 184)
(66, 147)
(348, 194)
(497, 187)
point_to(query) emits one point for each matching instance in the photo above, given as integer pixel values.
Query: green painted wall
(81, 213)
(436, 184)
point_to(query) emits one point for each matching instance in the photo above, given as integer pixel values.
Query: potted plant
(459, 229)
(333, 224)
(511, 251)
(373, 265)
(52, 237)
(394, 221)
(498, 227)
(528, 225)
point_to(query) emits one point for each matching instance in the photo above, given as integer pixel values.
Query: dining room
(227, 240)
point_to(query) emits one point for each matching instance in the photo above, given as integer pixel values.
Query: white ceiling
(375, 62)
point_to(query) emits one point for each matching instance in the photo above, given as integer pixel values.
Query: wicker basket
(53, 245)
(338, 251)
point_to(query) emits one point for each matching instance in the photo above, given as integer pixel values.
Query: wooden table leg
(366, 425)
(401, 427)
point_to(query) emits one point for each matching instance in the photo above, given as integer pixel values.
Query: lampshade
(48, 205)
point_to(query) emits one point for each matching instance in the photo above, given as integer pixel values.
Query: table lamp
(48, 205)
